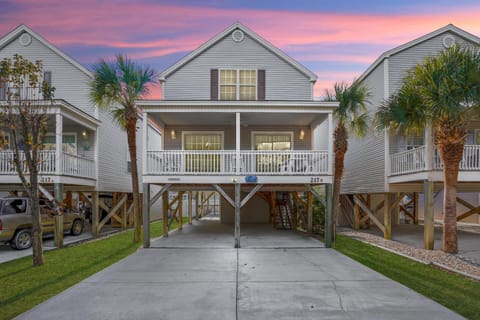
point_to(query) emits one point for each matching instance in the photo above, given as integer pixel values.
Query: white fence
(413, 160)
(181, 162)
(71, 165)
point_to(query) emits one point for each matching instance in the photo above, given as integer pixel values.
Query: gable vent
(25, 39)
(448, 41)
(237, 35)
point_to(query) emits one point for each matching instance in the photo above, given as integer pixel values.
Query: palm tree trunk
(340, 148)
(451, 155)
(132, 148)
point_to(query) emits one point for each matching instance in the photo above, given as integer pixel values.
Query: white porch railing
(223, 162)
(409, 161)
(412, 161)
(71, 165)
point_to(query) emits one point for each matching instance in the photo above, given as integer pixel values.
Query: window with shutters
(237, 84)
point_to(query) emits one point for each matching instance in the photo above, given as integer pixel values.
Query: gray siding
(229, 136)
(70, 83)
(405, 60)
(192, 81)
(365, 158)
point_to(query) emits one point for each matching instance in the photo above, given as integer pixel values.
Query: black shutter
(261, 85)
(214, 84)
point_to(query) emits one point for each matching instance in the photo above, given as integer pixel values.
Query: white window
(277, 141)
(414, 141)
(69, 143)
(238, 84)
(202, 141)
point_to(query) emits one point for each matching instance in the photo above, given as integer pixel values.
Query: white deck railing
(71, 165)
(181, 162)
(412, 161)
(409, 161)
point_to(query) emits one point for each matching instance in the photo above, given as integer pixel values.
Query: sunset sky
(337, 40)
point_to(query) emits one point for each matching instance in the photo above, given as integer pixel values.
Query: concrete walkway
(197, 274)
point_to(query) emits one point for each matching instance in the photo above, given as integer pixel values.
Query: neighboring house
(85, 152)
(385, 172)
(239, 118)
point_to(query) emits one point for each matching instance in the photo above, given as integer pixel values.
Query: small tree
(23, 113)
(350, 116)
(115, 87)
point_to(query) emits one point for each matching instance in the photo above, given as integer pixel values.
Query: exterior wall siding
(192, 81)
(365, 158)
(70, 83)
(229, 136)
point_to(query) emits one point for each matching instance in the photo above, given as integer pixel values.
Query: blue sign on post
(251, 179)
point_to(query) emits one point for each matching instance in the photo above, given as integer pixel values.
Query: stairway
(283, 213)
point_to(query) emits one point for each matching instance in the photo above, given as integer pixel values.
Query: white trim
(251, 34)
(253, 133)
(221, 133)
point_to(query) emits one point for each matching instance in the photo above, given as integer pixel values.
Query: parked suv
(16, 221)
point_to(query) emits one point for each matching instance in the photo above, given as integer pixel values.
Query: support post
(180, 210)
(237, 215)
(165, 213)
(190, 204)
(428, 216)
(387, 216)
(415, 207)
(309, 212)
(197, 199)
(356, 214)
(58, 190)
(328, 215)
(146, 215)
(95, 213)
(397, 209)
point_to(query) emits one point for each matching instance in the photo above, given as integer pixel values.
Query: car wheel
(22, 239)
(77, 227)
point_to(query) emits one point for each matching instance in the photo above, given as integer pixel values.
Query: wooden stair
(283, 214)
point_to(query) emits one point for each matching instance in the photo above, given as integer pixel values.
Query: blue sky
(337, 40)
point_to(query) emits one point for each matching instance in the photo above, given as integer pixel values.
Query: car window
(13, 206)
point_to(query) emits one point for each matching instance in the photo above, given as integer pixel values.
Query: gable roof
(450, 27)
(282, 55)
(24, 29)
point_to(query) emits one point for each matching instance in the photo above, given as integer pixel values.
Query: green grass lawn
(451, 290)
(23, 286)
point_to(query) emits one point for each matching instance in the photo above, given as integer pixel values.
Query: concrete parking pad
(197, 274)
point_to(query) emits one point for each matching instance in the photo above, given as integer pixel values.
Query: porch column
(328, 215)
(428, 148)
(190, 205)
(309, 212)
(58, 143)
(58, 190)
(144, 141)
(146, 215)
(330, 143)
(95, 213)
(237, 214)
(428, 215)
(237, 143)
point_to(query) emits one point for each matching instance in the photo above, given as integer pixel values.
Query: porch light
(301, 136)
(173, 135)
(85, 134)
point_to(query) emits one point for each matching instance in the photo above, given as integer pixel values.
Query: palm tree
(444, 93)
(351, 116)
(115, 87)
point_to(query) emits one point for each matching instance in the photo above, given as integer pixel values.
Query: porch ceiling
(246, 118)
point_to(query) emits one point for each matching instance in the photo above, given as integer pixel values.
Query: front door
(203, 142)
(271, 144)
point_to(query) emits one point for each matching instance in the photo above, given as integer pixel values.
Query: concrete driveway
(197, 274)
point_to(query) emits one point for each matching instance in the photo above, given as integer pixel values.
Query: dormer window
(237, 84)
